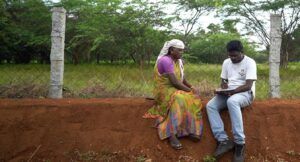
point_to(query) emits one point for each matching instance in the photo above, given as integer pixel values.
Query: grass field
(106, 80)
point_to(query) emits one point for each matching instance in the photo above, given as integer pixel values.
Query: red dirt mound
(114, 130)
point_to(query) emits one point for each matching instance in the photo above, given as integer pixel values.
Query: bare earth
(114, 130)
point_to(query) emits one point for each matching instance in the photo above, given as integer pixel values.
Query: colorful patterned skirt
(183, 116)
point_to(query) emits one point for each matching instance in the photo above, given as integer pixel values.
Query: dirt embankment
(114, 130)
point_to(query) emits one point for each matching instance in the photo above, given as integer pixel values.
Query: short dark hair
(234, 45)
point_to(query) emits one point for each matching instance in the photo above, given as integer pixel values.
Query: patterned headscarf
(173, 43)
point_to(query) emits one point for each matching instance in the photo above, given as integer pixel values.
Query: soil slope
(114, 130)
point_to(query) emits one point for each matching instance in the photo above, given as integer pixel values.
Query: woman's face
(176, 53)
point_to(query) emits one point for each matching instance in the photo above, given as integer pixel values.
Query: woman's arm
(176, 83)
(195, 90)
(185, 82)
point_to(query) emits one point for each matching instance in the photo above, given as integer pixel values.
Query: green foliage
(249, 13)
(229, 25)
(113, 30)
(109, 30)
(208, 158)
(130, 31)
(25, 27)
(211, 48)
(293, 46)
(199, 3)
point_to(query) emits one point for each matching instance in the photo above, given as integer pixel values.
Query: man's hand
(224, 84)
(229, 93)
(225, 92)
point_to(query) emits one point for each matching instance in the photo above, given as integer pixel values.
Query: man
(238, 77)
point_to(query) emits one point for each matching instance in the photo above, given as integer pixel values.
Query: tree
(211, 46)
(288, 9)
(294, 48)
(26, 27)
(251, 14)
(4, 38)
(113, 30)
(190, 21)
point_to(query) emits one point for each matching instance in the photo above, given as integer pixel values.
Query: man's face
(235, 56)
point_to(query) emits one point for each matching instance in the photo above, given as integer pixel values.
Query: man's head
(235, 51)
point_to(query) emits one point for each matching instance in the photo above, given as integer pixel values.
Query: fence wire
(127, 80)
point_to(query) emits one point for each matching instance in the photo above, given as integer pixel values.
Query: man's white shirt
(238, 73)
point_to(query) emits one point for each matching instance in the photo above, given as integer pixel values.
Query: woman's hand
(195, 90)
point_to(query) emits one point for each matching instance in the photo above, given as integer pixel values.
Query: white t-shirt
(238, 73)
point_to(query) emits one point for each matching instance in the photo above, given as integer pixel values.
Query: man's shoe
(239, 151)
(223, 147)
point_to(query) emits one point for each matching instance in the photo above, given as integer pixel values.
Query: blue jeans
(234, 104)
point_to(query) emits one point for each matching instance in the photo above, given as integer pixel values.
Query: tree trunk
(98, 58)
(75, 57)
(149, 56)
(284, 55)
(112, 59)
(132, 56)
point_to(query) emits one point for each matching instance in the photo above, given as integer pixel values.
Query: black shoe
(239, 151)
(174, 142)
(194, 138)
(223, 147)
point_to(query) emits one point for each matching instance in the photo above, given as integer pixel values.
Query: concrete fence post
(274, 57)
(57, 52)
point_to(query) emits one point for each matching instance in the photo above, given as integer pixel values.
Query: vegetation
(204, 48)
(134, 30)
(124, 80)
(209, 158)
(110, 45)
(251, 14)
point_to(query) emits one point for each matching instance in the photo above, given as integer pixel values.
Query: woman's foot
(174, 142)
(194, 138)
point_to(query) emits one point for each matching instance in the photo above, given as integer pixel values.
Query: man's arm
(176, 83)
(243, 88)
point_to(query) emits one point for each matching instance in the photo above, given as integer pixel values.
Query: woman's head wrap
(173, 43)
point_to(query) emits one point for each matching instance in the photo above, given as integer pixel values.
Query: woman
(178, 109)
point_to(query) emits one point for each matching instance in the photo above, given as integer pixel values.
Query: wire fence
(127, 80)
(119, 80)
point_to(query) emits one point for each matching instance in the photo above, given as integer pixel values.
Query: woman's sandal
(174, 142)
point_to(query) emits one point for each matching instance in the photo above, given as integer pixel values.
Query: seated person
(178, 108)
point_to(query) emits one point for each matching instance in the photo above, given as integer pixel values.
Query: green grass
(104, 80)
(209, 158)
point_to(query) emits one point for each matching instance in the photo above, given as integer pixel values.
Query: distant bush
(211, 48)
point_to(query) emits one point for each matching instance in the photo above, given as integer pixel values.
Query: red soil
(114, 130)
